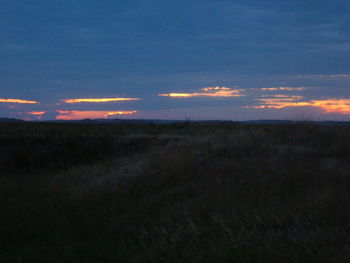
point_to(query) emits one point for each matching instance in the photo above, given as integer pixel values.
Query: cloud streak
(284, 89)
(36, 113)
(325, 76)
(20, 101)
(207, 92)
(98, 100)
(331, 105)
(114, 113)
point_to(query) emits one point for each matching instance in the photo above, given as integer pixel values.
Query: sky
(175, 59)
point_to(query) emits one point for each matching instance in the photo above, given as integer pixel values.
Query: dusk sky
(174, 59)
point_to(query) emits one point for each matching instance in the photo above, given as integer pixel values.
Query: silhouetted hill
(4, 120)
(156, 121)
(119, 121)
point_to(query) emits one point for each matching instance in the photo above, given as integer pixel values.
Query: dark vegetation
(185, 192)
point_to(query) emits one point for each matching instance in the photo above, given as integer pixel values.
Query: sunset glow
(98, 100)
(36, 113)
(341, 106)
(333, 105)
(79, 115)
(207, 92)
(18, 101)
(227, 56)
(120, 113)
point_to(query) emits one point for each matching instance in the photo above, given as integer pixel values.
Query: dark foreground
(174, 193)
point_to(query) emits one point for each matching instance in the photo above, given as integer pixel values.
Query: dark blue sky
(57, 49)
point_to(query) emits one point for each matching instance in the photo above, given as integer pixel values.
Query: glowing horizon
(78, 115)
(275, 98)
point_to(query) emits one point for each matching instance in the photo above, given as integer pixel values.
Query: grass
(193, 192)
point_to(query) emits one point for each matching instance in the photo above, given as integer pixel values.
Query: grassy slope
(174, 193)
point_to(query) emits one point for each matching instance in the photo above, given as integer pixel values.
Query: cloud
(341, 106)
(113, 113)
(18, 101)
(276, 101)
(280, 97)
(325, 76)
(78, 115)
(284, 89)
(98, 100)
(207, 92)
(331, 105)
(30, 115)
(36, 113)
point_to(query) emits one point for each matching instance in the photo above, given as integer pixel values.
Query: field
(184, 192)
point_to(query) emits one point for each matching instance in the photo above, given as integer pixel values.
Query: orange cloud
(278, 102)
(207, 92)
(98, 100)
(279, 98)
(112, 113)
(36, 113)
(18, 101)
(79, 115)
(284, 89)
(341, 106)
(333, 105)
(63, 111)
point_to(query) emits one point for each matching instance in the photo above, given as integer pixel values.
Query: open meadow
(182, 192)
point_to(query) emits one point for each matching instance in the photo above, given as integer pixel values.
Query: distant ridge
(157, 121)
(10, 120)
(120, 121)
